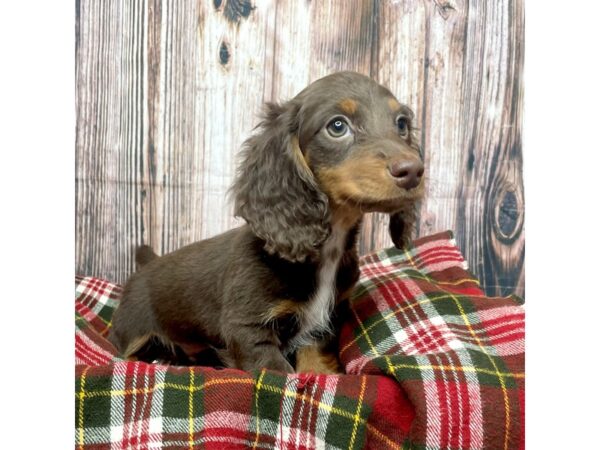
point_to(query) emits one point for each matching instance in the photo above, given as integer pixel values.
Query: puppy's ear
(402, 225)
(276, 192)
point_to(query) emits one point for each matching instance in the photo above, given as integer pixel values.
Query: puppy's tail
(143, 255)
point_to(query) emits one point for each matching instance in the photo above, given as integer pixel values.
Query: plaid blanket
(431, 363)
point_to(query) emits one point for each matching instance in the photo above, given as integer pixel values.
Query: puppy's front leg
(253, 348)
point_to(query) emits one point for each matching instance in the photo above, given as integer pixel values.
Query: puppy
(261, 293)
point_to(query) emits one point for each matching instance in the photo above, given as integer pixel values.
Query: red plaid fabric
(432, 364)
(420, 317)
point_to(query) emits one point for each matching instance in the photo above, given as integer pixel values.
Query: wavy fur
(276, 193)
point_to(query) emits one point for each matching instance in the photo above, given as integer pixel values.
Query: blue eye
(402, 124)
(337, 127)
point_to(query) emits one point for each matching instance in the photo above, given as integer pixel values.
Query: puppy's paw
(313, 359)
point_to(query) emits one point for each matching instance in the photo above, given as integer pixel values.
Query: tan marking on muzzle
(352, 178)
(363, 179)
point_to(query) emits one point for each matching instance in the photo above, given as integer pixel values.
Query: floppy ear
(276, 192)
(402, 224)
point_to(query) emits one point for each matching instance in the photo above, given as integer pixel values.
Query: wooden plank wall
(167, 91)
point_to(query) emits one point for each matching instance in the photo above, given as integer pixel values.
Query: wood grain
(167, 91)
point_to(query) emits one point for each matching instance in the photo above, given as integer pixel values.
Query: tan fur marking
(299, 158)
(315, 360)
(135, 345)
(393, 104)
(337, 183)
(282, 309)
(361, 178)
(344, 216)
(349, 106)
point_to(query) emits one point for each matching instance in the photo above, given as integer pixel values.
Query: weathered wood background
(168, 90)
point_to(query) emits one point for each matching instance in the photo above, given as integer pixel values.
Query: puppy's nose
(407, 173)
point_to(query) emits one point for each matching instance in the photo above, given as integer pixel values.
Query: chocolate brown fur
(257, 293)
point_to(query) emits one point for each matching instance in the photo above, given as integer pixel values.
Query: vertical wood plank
(232, 77)
(176, 161)
(492, 187)
(289, 50)
(442, 112)
(109, 92)
(314, 39)
(342, 37)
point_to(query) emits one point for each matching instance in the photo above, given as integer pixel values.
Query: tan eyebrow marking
(393, 104)
(348, 106)
(400, 109)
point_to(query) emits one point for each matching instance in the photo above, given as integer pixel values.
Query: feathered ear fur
(276, 192)
(402, 225)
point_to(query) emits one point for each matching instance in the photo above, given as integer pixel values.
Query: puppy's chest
(312, 317)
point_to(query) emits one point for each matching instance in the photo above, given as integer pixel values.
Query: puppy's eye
(402, 124)
(338, 127)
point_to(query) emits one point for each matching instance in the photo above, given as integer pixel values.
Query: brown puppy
(256, 294)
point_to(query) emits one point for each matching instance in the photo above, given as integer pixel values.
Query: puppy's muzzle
(407, 173)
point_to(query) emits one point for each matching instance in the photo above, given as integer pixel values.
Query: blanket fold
(431, 362)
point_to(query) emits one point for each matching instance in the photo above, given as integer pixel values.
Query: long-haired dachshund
(263, 295)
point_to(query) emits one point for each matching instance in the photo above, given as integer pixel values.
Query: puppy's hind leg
(133, 327)
(148, 348)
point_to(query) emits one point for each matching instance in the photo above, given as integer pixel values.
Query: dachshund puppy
(263, 292)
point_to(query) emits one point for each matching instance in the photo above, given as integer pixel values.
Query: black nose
(407, 173)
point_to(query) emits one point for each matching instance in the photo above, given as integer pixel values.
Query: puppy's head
(344, 144)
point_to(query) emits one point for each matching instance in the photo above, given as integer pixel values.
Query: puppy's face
(357, 140)
(342, 147)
